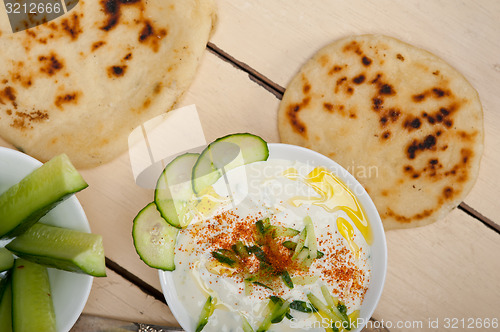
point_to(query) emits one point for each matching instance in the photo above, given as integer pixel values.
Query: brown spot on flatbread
(447, 192)
(436, 92)
(97, 44)
(50, 64)
(386, 89)
(349, 90)
(128, 56)
(428, 143)
(8, 93)
(117, 71)
(339, 82)
(394, 114)
(359, 79)
(377, 104)
(383, 121)
(466, 154)
(72, 26)
(112, 8)
(366, 61)
(418, 98)
(306, 88)
(324, 60)
(437, 72)
(404, 219)
(376, 79)
(66, 98)
(331, 108)
(414, 123)
(293, 116)
(335, 69)
(25, 120)
(386, 134)
(151, 35)
(158, 87)
(400, 57)
(352, 46)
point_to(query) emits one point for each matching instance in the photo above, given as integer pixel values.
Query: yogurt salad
(267, 245)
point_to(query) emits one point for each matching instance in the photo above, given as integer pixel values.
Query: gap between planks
(278, 91)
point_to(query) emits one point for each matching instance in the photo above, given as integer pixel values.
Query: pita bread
(407, 125)
(81, 83)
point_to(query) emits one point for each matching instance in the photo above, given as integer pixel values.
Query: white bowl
(70, 291)
(378, 247)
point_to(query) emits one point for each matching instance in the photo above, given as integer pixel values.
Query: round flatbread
(81, 83)
(407, 125)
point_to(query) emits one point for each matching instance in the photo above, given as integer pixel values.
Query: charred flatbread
(81, 83)
(406, 124)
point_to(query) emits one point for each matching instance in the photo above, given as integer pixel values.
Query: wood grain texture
(277, 37)
(114, 297)
(444, 270)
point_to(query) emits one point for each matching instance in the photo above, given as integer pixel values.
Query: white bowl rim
(372, 297)
(66, 304)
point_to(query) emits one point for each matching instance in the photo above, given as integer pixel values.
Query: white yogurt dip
(285, 192)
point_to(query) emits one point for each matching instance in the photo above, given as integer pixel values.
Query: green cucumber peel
(206, 312)
(287, 279)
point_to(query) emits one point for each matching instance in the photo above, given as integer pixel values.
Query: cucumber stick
(154, 239)
(61, 248)
(206, 312)
(227, 153)
(174, 191)
(26, 202)
(6, 259)
(6, 304)
(32, 307)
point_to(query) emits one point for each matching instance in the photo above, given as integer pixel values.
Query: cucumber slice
(32, 307)
(26, 202)
(6, 305)
(206, 312)
(6, 260)
(278, 308)
(154, 239)
(245, 325)
(227, 152)
(302, 306)
(174, 189)
(61, 248)
(311, 238)
(282, 231)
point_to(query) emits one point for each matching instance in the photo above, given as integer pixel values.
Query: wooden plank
(276, 37)
(446, 270)
(115, 297)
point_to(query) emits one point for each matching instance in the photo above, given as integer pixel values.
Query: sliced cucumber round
(154, 239)
(225, 154)
(174, 189)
